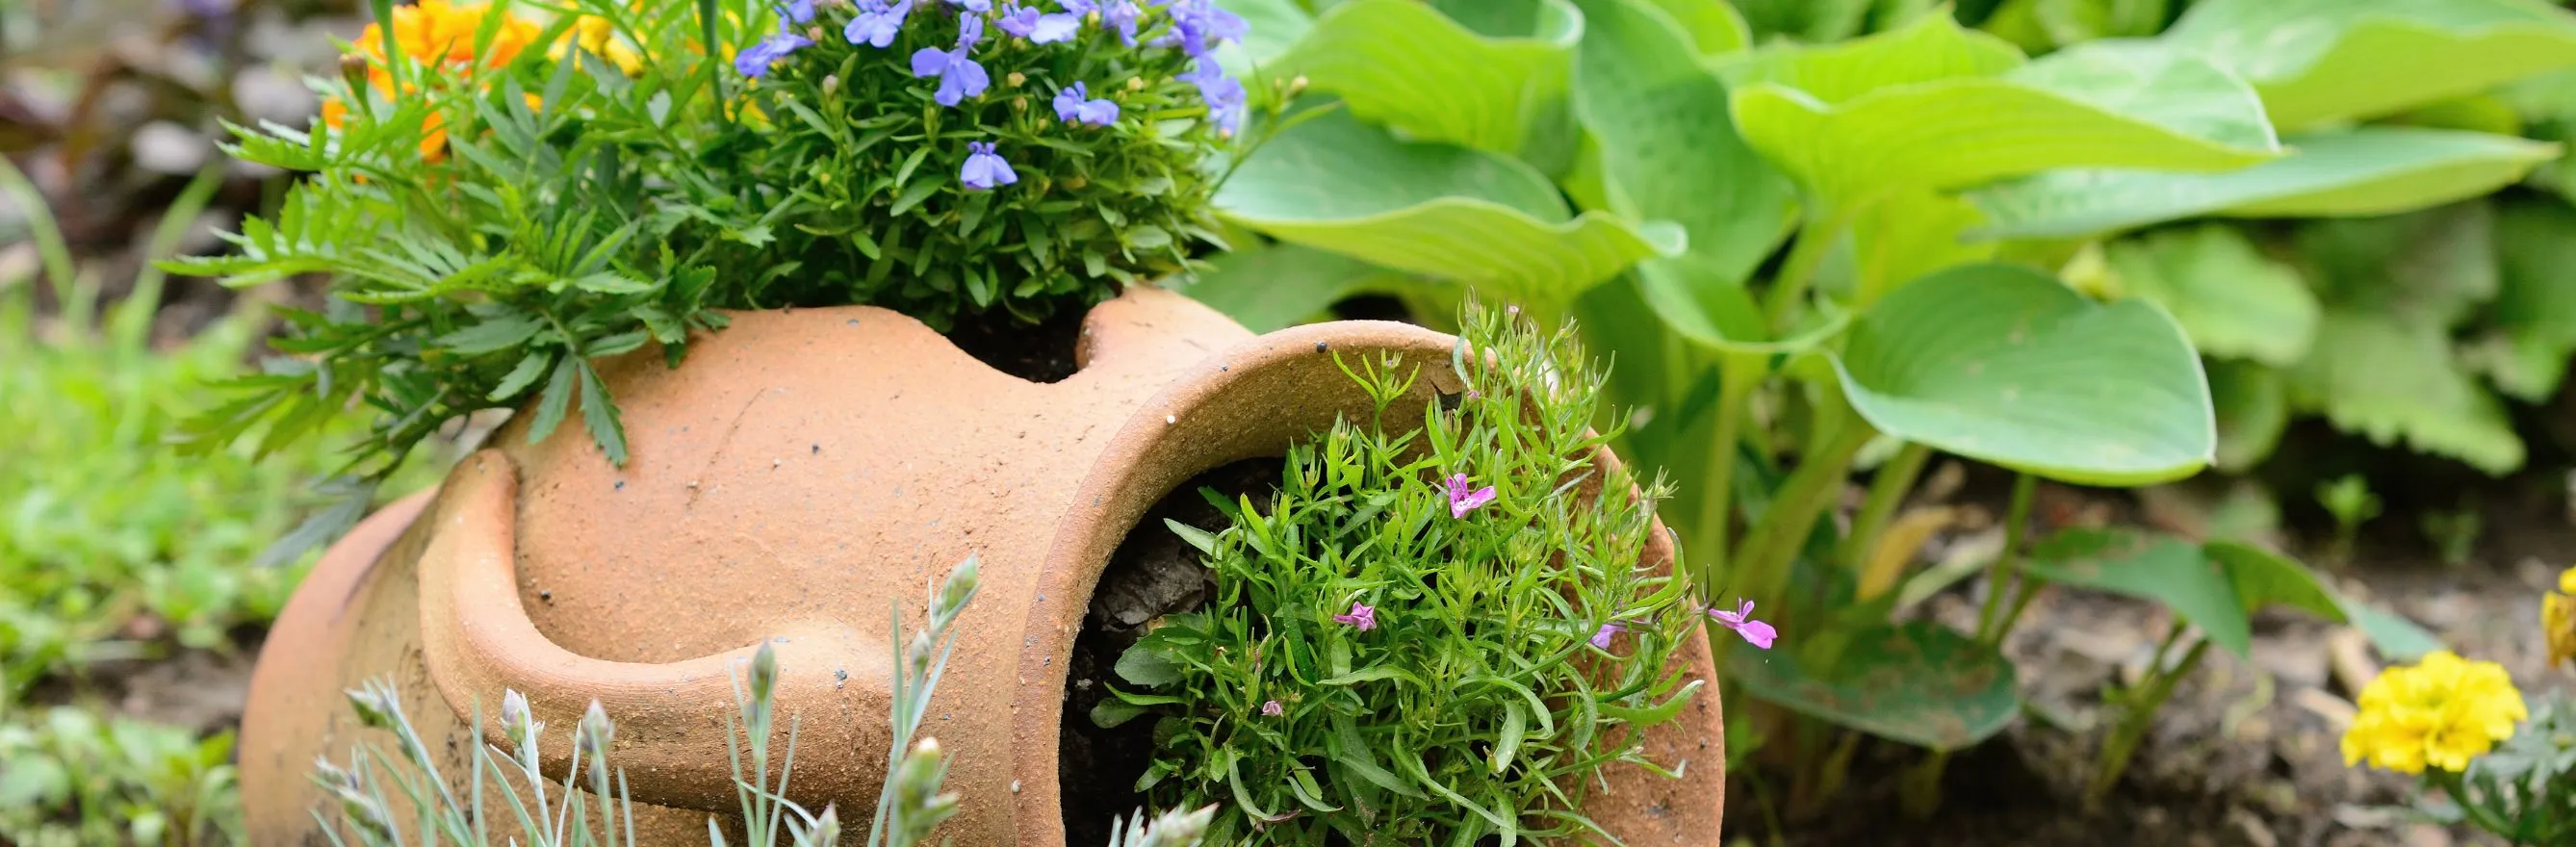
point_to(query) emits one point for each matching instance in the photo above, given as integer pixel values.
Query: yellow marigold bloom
(2558, 618)
(442, 35)
(2443, 712)
(599, 36)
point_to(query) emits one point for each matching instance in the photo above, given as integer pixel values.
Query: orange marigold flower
(442, 35)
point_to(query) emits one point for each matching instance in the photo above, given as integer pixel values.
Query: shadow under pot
(796, 477)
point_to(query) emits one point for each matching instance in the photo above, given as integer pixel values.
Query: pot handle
(672, 720)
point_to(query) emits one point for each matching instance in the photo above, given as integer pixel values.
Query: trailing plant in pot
(731, 236)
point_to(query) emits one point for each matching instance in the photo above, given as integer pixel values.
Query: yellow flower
(441, 35)
(2558, 618)
(599, 36)
(2443, 712)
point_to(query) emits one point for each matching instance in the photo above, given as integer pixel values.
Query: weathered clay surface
(800, 475)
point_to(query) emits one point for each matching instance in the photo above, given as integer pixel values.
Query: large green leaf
(1281, 286)
(2432, 268)
(1953, 113)
(2232, 300)
(2253, 405)
(2322, 60)
(2264, 578)
(2361, 171)
(1919, 683)
(2534, 314)
(1339, 185)
(2004, 364)
(1404, 64)
(1713, 27)
(2155, 567)
(1666, 150)
(2387, 380)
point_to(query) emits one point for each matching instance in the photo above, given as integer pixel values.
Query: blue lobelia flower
(976, 6)
(800, 11)
(1076, 105)
(1199, 26)
(1080, 7)
(754, 61)
(1025, 22)
(1224, 96)
(959, 76)
(985, 168)
(1121, 15)
(877, 22)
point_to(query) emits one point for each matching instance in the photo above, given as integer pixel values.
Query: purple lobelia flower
(1462, 500)
(1601, 637)
(959, 76)
(1080, 7)
(1361, 616)
(984, 168)
(877, 22)
(754, 61)
(1224, 96)
(1026, 22)
(1199, 26)
(976, 6)
(800, 11)
(1272, 709)
(1741, 620)
(1076, 105)
(1121, 15)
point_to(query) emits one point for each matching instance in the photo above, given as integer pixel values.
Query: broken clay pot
(801, 473)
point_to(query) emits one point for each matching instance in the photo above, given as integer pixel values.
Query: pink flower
(1360, 616)
(1601, 638)
(1272, 709)
(1461, 500)
(1741, 620)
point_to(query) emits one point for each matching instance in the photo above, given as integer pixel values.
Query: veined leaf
(2161, 568)
(1713, 27)
(2370, 170)
(2005, 364)
(1666, 150)
(2387, 380)
(2322, 60)
(1929, 50)
(1919, 683)
(1336, 184)
(2233, 301)
(2103, 105)
(1404, 64)
(1275, 287)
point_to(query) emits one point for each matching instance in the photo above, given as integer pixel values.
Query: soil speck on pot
(1153, 573)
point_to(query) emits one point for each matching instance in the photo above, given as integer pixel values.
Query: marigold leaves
(556, 399)
(494, 333)
(1918, 683)
(607, 427)
(522, 376)
(2317, 61)
(2005, 364)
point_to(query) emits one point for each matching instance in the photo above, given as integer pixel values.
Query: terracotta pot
(799, 474)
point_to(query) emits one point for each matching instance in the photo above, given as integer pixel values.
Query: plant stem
(1767, 550)
(1886, 491)
(1918, 792)
(2140, 708)
(1798, 272)
(2015, 520)
(1739, 374)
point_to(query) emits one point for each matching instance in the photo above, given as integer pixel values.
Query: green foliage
(70, 777)
(494, 230)
(2320, 60)
(1919, 683)
(1478, 702)
(2525, 790)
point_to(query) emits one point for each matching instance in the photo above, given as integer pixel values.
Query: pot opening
(1374, 307)
(1042, 353)
(1153, 573)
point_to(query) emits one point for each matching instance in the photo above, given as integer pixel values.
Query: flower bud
(1016, 79)
(1135, 83)
(919, 655)
(831, 83)
(1019, 104)
(515, 719)
(1076, 181)
(1297, 86)
(764, 673)
(375, 710)
(960, 585)
(827, 828)
(353, 69)
(814, 33)
(594, 735)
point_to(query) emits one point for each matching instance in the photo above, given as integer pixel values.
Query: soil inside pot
(1042, 353)
(1152, 574)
